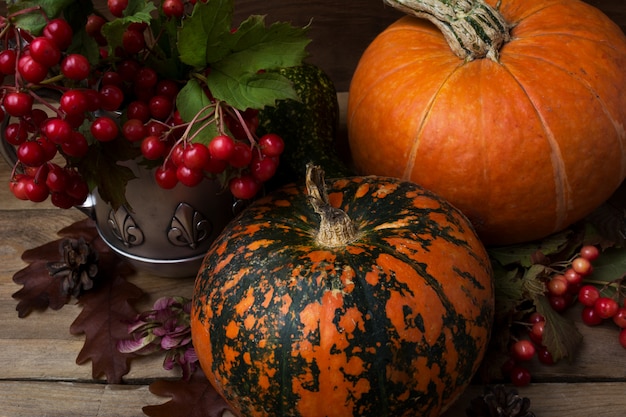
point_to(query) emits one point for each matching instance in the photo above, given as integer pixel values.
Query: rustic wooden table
(39, 375)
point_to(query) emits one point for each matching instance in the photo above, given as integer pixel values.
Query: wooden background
(342, 29)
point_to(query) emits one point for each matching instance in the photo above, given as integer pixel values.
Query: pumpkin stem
(336, 228)
(472, 28)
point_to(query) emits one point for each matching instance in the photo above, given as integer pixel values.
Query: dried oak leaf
(193, 398)
(103, 320)
(39, 290)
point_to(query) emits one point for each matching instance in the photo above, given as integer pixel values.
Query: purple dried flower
(164, 328)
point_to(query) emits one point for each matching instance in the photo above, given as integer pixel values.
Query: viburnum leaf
(35, 22)
(560, 336)
(253, 91)
(103, 320)
(193, 398)
(204, 37)
(190, 101)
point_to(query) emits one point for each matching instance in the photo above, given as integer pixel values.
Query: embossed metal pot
(164, 232)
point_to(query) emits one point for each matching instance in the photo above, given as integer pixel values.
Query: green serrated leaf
(257, 47)
(509, 289)
(560, 336)
(522, 254)
(253, 91)
(192, 100)
(203, 38)
(34, 22)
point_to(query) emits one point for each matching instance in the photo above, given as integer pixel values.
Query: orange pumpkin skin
(394, 323)
(525, 146)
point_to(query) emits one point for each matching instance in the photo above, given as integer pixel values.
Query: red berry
(57, 130)
(152, 147)
(134, 130)
(606, 307)
(544, 356)
(244, 187)
(18, 186)
(73, 102)
(60, 32)
(196, 155)
(117, 7)
(18, 103)
(77, 146)
(557, 285)
(31, 70)
(138, 110)
(166, 177)
(222, 147)
(8, 60)
(263, 168)
(31, 154)
(241, 156)
(104, 129)
(590, 252)
(57, 178)
(189, 176)
(15, 133)
(45, 51)
(582, 266)
(160, 107)
(36, 191)
(620, 317)
(588, 295)
(173, 8)
(133, 41)
(572, 277)
(111, 97)
(536, 331)
(146, 78)
(271, 144)
(520, 376)
(523, 350)
(590, 317)
(75, 67)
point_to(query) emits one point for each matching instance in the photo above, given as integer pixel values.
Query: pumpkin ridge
(415, 141)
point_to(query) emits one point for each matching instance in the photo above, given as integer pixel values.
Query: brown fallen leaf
(40, 290)
(193, 398)
(104, 321)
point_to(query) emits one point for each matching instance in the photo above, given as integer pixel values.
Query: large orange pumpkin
(521, 127)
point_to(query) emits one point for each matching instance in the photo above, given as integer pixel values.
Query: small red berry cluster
(120, 99)
(571, 284)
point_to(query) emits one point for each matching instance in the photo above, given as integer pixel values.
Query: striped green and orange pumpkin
(374, 298)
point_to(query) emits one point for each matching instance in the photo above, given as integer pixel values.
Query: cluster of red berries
(564, 289)
(120, 99)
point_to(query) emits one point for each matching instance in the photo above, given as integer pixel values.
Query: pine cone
(78, 268)
(498, 401)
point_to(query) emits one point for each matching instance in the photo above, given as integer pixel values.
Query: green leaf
(190, 101)
(560, 336)
(509, 289)
(204, 37)
(257, 47)
(253, 91)
(34, 22)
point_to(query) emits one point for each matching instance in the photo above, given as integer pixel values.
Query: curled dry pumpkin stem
(336, 228)
(472, 28)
